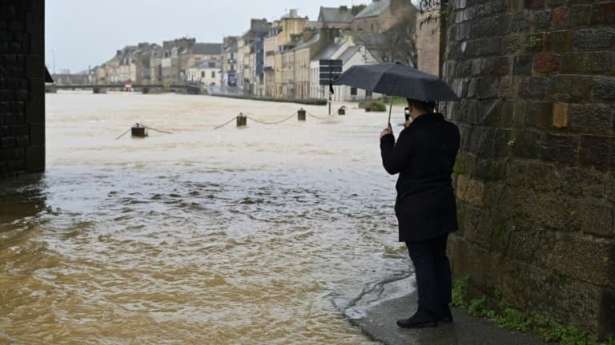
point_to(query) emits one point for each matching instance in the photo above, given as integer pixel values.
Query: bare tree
(400, 42)
(397, 44)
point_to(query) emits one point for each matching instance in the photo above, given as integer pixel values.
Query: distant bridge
(97, 88)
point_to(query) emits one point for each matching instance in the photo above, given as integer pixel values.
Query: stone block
(487, 87)
(560, 148)
(519, 23)
(515, 6)
(560, 115)
(559, 41)
(580, 15)
(539, 114)
(604, 89)
(597, 218)
(522, 65)
(529, 245)
(591, 117)
(546, 63)
(573, 255)
(540, 20)
(490, 170)
(527, 144)
(560, 17)
(570, 88)
(534, 4)
(470, 191)
(580, 182)
(594, 38)
(534, 88)
(556, 3)
(595, 151)
(603, 14)
(602, 63)
(606, 316)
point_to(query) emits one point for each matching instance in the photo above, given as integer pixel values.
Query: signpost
(330, 70)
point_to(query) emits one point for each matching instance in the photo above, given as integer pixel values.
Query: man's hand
(386, 131)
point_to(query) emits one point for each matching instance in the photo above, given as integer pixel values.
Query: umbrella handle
(390, 111)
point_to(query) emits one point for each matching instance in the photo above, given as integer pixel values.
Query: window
(353, 91)
(213, 74)
(202, 74)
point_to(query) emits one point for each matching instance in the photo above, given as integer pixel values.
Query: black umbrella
(395, 79)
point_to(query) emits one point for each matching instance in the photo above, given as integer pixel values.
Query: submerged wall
(535, 178)
(22, 94)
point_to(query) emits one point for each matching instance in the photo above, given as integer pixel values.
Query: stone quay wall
(535, 177)
(22, 87)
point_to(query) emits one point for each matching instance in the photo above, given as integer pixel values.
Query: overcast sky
(82, 33)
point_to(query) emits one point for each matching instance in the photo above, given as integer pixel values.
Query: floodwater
(261, 235)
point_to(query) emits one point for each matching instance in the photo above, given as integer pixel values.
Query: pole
(330, 100)
(390, 110)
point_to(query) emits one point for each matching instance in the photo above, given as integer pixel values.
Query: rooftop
(207, 48)
(376, 8)
(335, 15)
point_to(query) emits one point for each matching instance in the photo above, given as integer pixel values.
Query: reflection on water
(199, 237)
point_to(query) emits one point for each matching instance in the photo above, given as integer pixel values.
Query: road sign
(330, 70)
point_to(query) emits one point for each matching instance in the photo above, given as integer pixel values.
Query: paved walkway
(378, 321)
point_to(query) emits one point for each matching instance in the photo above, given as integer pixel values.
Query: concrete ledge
(378, 322)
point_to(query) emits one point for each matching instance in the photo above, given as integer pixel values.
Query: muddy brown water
(229, 236)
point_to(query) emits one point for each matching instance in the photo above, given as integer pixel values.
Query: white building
(207, 73)
(351, 55)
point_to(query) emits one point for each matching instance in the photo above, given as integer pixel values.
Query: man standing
(424, 156)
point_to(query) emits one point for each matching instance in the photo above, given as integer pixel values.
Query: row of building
(283, 58)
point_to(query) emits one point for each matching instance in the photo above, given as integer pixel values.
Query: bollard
(341, 111)
(138, 131)
(242, 120)
(301, 114)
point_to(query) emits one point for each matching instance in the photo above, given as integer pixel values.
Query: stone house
(251, 56)
(296, 61)
(206, 73)
(180, 54)
(229, 61)
(283, 36)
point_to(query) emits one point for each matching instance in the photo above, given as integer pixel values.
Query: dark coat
(423, 156)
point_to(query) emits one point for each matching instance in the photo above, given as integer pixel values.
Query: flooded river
(260, 235)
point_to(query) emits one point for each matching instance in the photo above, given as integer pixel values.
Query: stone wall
(22, 94)
(535, 179)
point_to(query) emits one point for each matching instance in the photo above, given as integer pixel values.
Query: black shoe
(447, 317)
(418, 320)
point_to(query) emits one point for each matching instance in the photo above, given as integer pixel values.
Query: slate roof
(305, 44)
(207, 49)
(376, 8)
(328, 51)
(334, 15)
(349, 53)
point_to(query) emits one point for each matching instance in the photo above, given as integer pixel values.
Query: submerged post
(242, 120)
(301, 114)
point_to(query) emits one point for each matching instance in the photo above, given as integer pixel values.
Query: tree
(397, 44)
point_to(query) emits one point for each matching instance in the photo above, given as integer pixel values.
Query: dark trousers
(433, 274)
